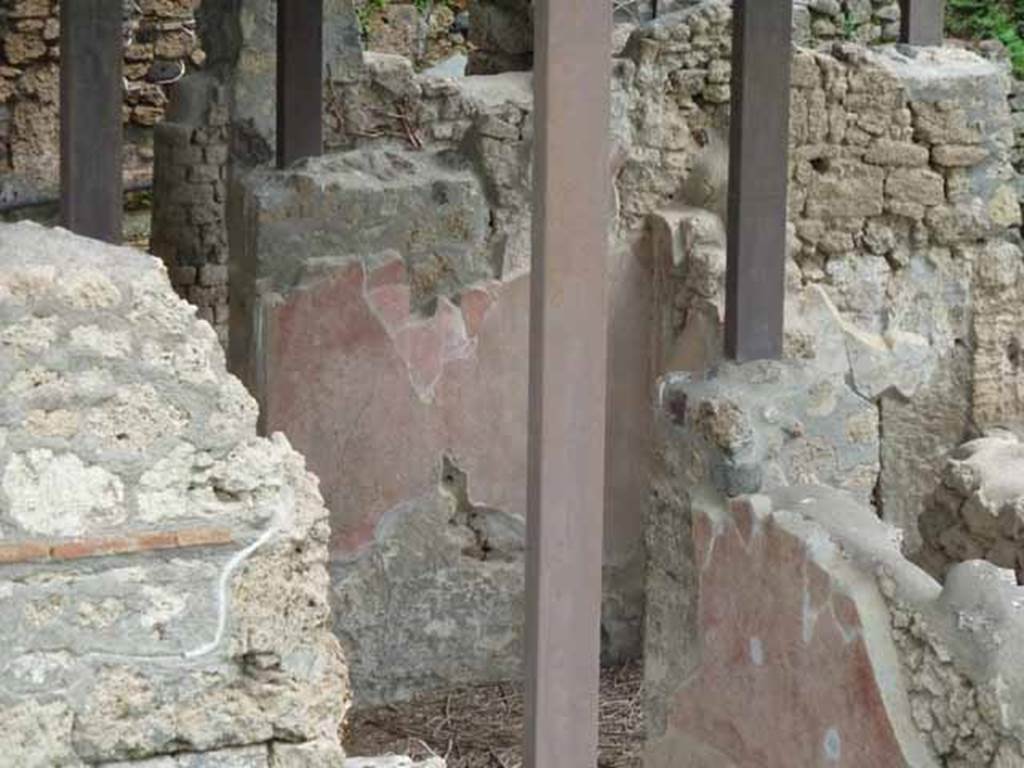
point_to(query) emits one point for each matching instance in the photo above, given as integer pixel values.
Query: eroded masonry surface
(831, 542)
(164, 569)
(903, 258)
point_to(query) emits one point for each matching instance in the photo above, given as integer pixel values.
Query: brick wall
(190, 173)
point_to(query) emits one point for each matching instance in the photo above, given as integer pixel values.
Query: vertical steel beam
(568, 354)
(922, 21)
(91, 98)
(300, 80)
(758, 175)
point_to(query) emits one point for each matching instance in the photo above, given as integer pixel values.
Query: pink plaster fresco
(784, 677)
(375, 394)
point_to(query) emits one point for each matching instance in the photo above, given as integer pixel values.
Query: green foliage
(1001, 20)
(849, 26)
(367, 9)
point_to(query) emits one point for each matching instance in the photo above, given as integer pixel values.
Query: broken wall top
(240, 38)
(769, 596)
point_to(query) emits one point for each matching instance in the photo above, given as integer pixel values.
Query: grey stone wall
(240, 37)
(163, 582)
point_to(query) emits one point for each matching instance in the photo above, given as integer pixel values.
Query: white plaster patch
(61, 496)
(25, 281)
(37, 669)
(809, 617)
(57, 423)
(832, 745)
(33, 336)
(756, 651)
(89, 289)
(165, 605)
(99, 615)
(92, 338)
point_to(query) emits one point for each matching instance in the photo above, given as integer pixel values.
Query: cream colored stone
(1004, 207)
(58, 494)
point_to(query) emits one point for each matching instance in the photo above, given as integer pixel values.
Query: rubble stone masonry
(163, 579)
(160, 46)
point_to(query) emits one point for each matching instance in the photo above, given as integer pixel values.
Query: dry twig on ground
(481, 726)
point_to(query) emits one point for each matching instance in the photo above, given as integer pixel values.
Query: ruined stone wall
(163, 586)
(909, 225)
(425, 33)
(856, 21)
(501, 31)
(412, 311)
(904, 223)
(224, 113)
(161, 46)
(904, 259)
(240, 38)
(794, 604)
(977, 509)
(409, 307)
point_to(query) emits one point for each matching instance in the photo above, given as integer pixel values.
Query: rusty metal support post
(300, 80)
(758, 176)
(91, 136)
(922, 21)
(568, 354)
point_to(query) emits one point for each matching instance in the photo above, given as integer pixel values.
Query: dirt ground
(481, 727)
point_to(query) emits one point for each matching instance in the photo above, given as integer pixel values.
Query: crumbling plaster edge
(852, 557)
(863, 554)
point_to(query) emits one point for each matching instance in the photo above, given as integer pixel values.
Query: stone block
(896, 153)
(846, 189)
(958, 155)
(23, 47)
(917, 186)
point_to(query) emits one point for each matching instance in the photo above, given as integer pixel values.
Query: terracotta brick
(23, 551)
(156, 540)
(205, 537)
(99, 547)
